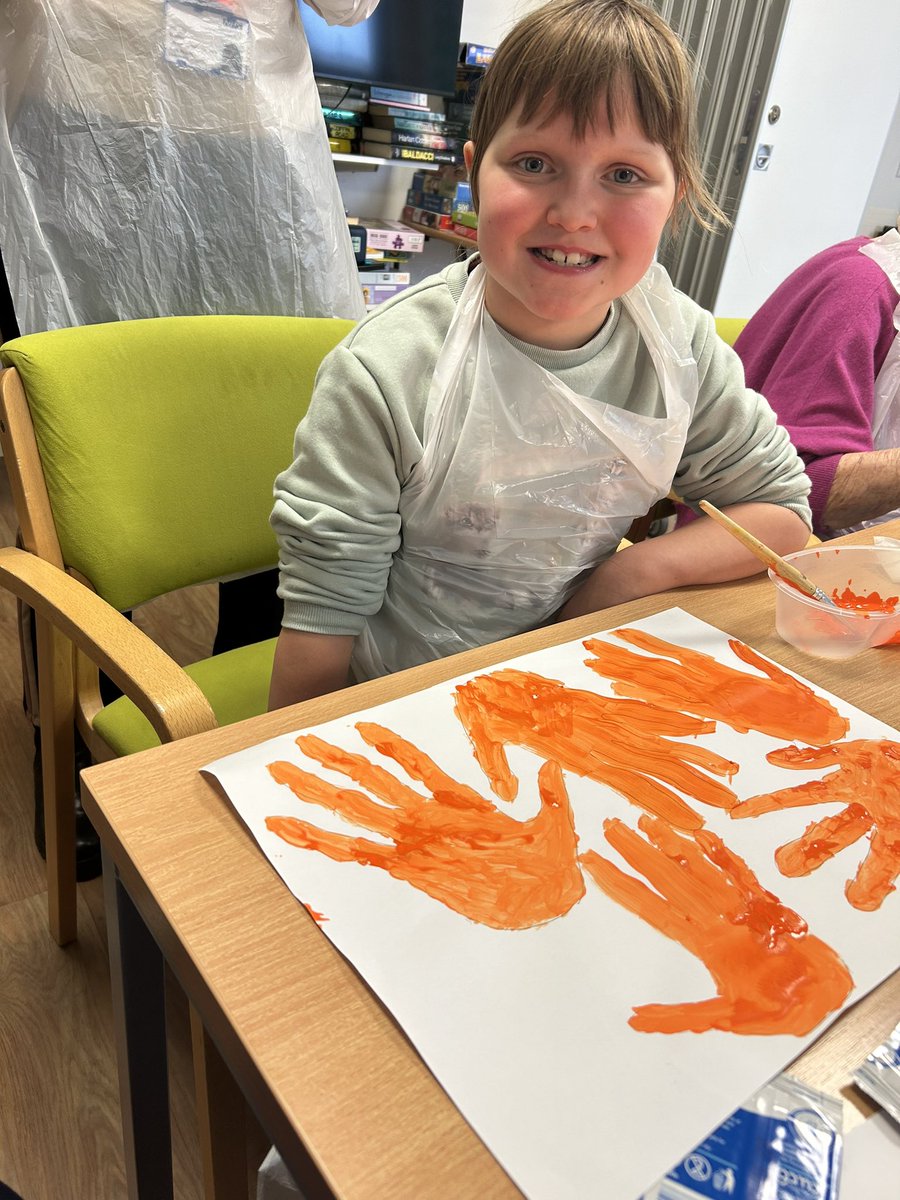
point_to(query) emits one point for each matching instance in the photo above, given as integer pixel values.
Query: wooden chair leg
(221, 1119)
(57, 716)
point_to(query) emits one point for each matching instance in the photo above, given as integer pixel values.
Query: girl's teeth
(567, 260)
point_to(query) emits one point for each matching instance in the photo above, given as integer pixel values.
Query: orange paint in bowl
(863, 583)
(872, 602)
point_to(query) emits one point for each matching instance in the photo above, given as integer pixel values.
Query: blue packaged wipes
(784, 1143)
(879, 1075)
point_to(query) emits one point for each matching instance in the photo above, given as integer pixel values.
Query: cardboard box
(399, 279)
(473, 55)
(469, 219)
(374, 293)
(392, 235)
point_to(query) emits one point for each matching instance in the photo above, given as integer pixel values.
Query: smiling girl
(477, 447)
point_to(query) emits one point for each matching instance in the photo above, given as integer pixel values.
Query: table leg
(138, 995)
(221, 1119)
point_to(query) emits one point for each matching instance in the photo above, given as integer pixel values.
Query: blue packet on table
(879, 1075)
(784, 1143)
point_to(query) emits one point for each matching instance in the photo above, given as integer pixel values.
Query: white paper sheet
(527, 1030)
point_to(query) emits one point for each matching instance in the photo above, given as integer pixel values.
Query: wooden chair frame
(78, 635)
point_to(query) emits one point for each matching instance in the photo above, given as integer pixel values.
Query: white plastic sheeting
(167, 157)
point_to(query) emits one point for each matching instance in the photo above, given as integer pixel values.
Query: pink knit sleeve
(814, 350)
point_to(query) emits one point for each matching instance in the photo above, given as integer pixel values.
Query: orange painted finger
(633, 895)
(686, 877)
(336, 846)
(355, 806)
(877, 875)
(361, 770)
(418, 765)
(822, 840)
(815, 791)
(675, 868)
(489, 747)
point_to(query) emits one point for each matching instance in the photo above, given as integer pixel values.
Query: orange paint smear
(451, 844)
(772, 976)
(616, 742)
(316, 916)
(872, 603)
(774, 703)
(867, 782)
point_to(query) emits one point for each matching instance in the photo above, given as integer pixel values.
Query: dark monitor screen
(409, 44)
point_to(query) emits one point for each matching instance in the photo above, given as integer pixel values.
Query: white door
(836, 81)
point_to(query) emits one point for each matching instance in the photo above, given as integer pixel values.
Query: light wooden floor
(60, 1129)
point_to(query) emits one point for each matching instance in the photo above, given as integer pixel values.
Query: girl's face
(566, 225)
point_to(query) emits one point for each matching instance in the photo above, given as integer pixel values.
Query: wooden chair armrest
(169, 699)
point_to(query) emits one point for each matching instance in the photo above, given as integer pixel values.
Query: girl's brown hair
(567, 55)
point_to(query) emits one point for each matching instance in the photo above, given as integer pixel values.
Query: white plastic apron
(523, 485)
(885, 251)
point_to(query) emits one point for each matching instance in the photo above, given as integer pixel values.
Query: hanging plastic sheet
(167, 157)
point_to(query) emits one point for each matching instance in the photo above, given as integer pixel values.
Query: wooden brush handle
(761, 550)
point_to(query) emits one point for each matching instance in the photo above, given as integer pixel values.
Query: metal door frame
(734, 44)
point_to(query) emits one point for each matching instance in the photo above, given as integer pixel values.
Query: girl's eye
(624, 175)
(532, 165)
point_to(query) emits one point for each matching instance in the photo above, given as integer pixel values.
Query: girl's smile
(566, 224)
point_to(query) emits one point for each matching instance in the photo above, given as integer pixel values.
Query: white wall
(486, 21)
(836, 81)
(883, 205)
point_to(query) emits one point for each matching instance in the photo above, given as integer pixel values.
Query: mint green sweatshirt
(336, 507)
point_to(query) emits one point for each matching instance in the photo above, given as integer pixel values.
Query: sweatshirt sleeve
(736, 452)
(336, 512)
(818, 371)
(337, 507)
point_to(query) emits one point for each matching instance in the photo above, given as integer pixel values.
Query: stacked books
(344, 110)
(352, 97)
(343, 128)
(398, 98)
(412, 134)
(413, 141)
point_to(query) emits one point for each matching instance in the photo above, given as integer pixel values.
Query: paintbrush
(780, 566)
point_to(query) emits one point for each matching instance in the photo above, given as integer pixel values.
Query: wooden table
(329, 1075)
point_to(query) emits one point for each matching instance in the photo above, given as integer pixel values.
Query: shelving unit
(367, 160)
(443, 235)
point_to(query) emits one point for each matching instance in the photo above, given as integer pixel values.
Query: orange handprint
(690, 681)
(772, 976)
(454, 845)
(867, 781)
(616, 742)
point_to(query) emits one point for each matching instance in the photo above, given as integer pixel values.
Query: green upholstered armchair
(729, 328)
(141, 457)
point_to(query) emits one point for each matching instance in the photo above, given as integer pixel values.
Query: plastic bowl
(868, 572)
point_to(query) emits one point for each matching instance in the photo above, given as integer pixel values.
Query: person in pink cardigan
(824, 350)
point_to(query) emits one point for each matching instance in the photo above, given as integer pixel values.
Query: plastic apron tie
(885, 251)
(523, 485)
